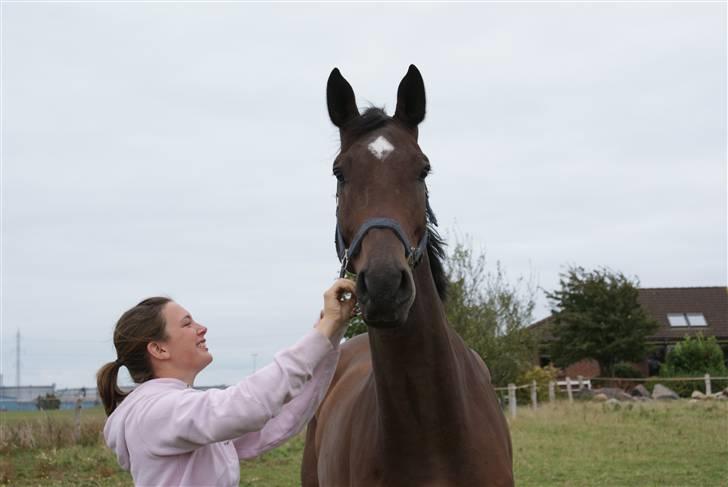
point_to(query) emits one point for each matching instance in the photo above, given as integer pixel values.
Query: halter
(413, 254)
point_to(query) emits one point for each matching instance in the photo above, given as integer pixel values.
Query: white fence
(569, 386)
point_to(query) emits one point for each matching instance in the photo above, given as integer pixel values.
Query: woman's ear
(157, 351)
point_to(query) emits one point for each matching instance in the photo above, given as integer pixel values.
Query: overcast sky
(185, 150)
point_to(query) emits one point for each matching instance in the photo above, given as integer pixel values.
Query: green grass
(11, 417)
(633, 444)
(585, 444)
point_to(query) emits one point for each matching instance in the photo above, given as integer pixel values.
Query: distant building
(13, 398)
(23, 398)
(680, 311)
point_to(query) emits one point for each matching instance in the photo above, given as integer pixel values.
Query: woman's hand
(339, 301)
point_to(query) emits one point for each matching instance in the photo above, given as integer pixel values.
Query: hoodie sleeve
(183, 421)
(294, 416)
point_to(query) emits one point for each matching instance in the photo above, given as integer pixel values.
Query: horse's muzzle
(385, 295)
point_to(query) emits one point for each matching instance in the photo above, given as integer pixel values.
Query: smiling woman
(167, 433)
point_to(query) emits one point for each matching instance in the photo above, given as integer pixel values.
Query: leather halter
(412, 253)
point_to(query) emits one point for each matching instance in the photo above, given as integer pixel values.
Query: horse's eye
(338, 174)
(424, 173)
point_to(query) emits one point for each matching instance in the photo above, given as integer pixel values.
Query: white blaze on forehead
(381, 148)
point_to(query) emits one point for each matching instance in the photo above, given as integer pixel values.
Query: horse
(410, 404)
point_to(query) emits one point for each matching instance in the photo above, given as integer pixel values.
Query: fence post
(77, 419)
(708, 389)
(580, 378)
(568, 390)
(512, 399)
(552, 391)
(534, 395)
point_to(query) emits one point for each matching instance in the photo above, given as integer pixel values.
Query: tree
(357, 326)
(490, 314)
(596, 315)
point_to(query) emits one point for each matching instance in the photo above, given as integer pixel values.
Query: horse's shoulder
(355, 347)
(480, 363)
(354, 356)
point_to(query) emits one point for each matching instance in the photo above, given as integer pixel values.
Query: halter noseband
(413, 254)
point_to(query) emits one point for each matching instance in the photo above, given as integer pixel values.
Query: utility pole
(17, 359)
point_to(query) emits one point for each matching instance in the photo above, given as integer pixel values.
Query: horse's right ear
(340, 99)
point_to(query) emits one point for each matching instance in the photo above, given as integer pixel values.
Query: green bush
(542, 376)
(50, 401)
(627, 371)
(694, 357)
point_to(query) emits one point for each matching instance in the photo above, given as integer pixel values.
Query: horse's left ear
(411, 98)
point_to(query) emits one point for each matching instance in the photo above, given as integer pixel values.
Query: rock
(614, 393)
(640, 391)
(697, 395)
(600, 397)
(612, 402)
(723, 398)
(664, 393)
(585, 394)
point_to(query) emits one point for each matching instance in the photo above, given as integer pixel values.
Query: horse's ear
(340, 99)
(411, 98)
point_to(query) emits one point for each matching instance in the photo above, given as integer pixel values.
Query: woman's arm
(182, 421)
(187, 419)
(294, 416)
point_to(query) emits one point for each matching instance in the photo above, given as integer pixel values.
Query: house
(680, 312)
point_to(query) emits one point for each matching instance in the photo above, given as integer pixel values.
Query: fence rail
(582, 383)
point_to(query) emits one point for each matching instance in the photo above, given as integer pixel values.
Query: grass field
(585, 444)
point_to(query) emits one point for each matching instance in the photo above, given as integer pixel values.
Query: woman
(167, 433)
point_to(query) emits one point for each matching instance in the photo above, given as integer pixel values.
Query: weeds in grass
(48, 430)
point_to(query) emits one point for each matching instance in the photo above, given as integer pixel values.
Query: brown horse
(410, 404)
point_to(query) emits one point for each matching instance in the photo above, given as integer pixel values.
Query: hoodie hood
(117, 424)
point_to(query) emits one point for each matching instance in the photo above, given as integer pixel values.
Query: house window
(676, 319)
(686, 319)
(696, 319)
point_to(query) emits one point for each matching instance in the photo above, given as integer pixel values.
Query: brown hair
(137, 327)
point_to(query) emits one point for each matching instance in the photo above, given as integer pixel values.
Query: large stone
(584, 394)
(614, 393)
(600, 397)
(640, 391)
(664, 393)
(697, 395)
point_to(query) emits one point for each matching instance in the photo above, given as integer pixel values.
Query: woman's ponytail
(106, 382)
(137, 327)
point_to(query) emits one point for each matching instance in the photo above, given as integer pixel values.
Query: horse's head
(382, 199)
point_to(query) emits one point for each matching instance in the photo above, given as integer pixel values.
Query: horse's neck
(418, 372)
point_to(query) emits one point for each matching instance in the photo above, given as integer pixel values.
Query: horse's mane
(372, 119)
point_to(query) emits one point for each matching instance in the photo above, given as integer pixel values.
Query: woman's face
(185, 341)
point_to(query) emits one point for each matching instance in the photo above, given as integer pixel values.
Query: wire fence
(569, 388)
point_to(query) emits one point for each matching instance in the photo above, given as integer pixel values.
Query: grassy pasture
(585, 444)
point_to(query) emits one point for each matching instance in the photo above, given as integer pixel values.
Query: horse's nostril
(361, 283)
(403, 282)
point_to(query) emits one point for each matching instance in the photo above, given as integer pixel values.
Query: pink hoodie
(167, 433)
